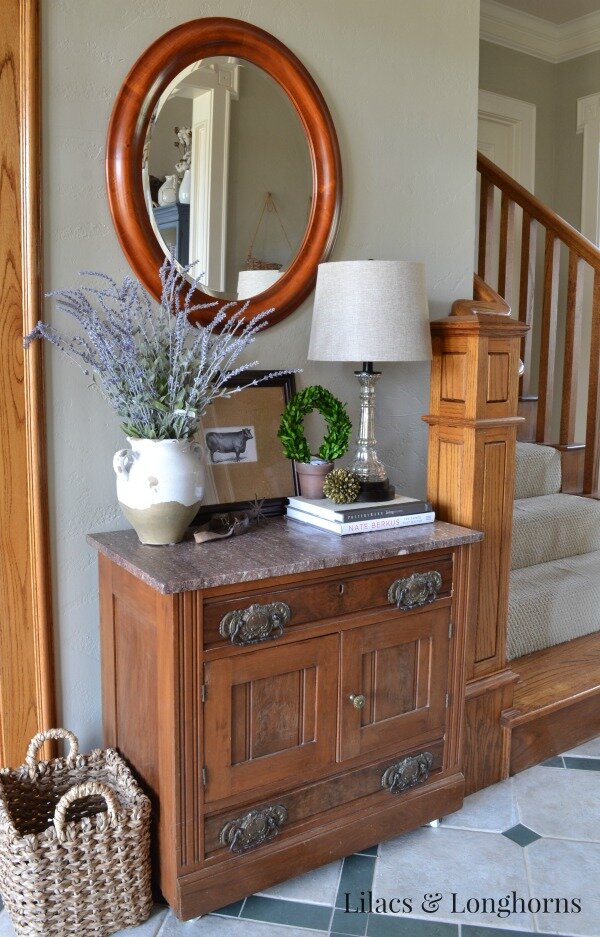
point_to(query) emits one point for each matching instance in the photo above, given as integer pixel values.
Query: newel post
(472, 437)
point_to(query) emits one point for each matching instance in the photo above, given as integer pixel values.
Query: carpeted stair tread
(552, 603)
(551, 527)
(537, 472)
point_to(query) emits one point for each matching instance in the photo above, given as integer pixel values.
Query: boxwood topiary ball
(341, 486)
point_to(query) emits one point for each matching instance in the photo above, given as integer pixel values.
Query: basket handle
(87, 789)
(39, 739)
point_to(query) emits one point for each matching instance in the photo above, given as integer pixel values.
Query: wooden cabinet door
(270, 716)
(400, 667)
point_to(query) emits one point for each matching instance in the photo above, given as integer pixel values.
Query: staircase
(533, 655)
(554, 593)
(553, 634)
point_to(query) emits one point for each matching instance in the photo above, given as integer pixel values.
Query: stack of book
(360, 517)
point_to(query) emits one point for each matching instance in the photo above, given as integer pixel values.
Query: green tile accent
(357, 876)
(231, 910)
(521, 835)
(556, 762)
(371, 851)
(346, 923)
(384, 925)
(584, 764)
(278, 911)
(474, 930)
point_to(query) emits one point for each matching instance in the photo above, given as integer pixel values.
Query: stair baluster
(506, 248)
(548, 338)
(526, 295)
(486, 229)
(572, 349)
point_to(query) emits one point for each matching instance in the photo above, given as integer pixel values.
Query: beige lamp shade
(370, 310)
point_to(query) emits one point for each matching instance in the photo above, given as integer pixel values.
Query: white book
(361, 527)
(358, 510)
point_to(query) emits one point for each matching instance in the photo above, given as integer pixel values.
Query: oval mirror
(227, 176)
(229, 160)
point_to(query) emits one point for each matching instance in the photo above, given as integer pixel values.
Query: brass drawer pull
(407, 773)
(357, 700)
(256, 623)
(413, 591)
(253, 828)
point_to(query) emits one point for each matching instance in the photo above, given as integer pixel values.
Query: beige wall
(576, 78)
(526, 78)
(400, 77)
(554, 89)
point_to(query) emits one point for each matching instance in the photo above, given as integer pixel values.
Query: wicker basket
(74, 844)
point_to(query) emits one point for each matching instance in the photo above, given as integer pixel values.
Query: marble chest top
(276, 547)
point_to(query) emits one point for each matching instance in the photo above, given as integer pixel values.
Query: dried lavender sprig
(157, 370)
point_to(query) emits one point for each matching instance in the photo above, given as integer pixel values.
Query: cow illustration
(225, 443)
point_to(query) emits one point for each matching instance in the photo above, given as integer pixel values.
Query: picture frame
(243, 457)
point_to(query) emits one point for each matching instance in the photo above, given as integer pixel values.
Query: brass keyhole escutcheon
(358, 700)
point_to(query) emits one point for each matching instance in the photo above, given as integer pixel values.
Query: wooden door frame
(588, 125)
(520, 117)
(27, 701)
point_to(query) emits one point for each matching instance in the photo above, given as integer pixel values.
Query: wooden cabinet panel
(399, 667)
(346, 593)
(269, 715)
(310, 802)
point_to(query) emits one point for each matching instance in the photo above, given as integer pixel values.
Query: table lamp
(370, 311)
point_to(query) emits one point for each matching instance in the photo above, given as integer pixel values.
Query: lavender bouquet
(158, 371)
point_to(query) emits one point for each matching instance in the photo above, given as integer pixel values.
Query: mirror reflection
(227, 176)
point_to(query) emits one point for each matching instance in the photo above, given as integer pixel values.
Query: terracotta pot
(311, 477)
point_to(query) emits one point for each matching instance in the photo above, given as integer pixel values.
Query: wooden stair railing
(485, 300)
(581, 253)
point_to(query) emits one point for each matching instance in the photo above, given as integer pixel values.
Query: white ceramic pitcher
(160, 485)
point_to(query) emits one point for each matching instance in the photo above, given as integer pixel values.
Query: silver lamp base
(374, 483)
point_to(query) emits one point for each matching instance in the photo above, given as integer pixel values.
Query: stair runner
(554, 593)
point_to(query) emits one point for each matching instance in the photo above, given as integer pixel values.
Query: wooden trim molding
(150, 76)
(26, 659)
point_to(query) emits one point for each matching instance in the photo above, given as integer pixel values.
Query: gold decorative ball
(341, 486)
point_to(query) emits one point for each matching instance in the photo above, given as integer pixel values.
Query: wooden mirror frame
(135, 103)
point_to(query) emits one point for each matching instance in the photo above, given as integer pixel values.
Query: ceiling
(556, 11)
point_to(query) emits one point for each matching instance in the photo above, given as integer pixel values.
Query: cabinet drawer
(280, 815)
(255, 615)
(270, 715)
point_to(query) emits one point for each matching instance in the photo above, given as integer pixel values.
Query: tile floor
(536, 835)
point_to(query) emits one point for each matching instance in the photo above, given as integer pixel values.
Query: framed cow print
(243, 457)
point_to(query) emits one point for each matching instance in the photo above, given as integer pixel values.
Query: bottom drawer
(238, 831)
